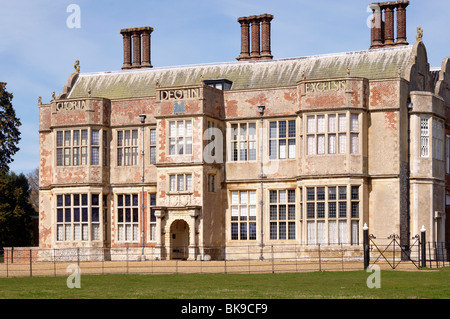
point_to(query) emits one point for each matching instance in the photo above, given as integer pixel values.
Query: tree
(9, 132)
(15, 211)
(33, 182)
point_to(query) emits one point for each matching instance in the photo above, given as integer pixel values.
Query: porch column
(159, 214)
(192, 231)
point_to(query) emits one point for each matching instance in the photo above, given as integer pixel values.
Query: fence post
(273, 266)
(366, 246)
(5, 252)
(31, 267)
(423, 247)
(54, 262)
(320, 259)
(127, 259)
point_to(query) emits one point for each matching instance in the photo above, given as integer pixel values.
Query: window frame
(243, 227)
(338, 135)
(173, 141)
(153, 146)
(127, 154)
(121, 220)
(152, 224)
(187, 182)
(76, 147)
(237, 139)
(341, 207)
(73, 212)
(282, 228)
(424, 129)
(287, 137)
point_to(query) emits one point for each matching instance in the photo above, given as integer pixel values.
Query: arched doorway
(179, 240)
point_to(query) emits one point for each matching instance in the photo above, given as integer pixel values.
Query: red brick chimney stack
(377, 23)
(266, 53)
(401, 23)
(126, 49)
(256, 34)
(146, 48)
(389, 24)
(136, 49)
(382, 32)
(135, 42)
(245, 38)
(260, 38)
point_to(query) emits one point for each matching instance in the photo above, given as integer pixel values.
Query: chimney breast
(136, 47)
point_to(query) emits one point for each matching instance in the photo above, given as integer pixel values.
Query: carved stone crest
(77, 66)
(419, 35)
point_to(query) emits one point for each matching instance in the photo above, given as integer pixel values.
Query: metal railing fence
(219, 259)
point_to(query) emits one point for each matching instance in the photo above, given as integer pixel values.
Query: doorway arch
(179, 239)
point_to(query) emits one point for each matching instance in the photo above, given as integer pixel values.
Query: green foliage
(15, 211)
(9, 133)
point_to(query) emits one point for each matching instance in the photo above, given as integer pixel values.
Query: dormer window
(220, 84)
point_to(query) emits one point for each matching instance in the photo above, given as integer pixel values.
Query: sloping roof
(435, 74)
(135, 83)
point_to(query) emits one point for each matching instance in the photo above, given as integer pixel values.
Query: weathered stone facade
(345, 140)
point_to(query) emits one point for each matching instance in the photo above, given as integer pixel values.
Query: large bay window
(331, 133)
(332, 212)
(77, 217)
(73, 147)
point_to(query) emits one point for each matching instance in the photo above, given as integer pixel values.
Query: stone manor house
(185, 161)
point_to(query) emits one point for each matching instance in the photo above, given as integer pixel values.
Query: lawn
(328, 285)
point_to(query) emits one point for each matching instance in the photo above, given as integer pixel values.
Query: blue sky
(38, 49)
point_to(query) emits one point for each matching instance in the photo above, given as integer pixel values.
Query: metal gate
(393, 252)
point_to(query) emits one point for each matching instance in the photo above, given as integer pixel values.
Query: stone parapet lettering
(179, 94)
(70, 105)
(325, 86)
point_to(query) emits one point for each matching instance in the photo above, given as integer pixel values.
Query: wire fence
(20, 262)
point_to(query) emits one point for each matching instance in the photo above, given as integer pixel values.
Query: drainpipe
(143, 117)
(261, 109)
(406, 253)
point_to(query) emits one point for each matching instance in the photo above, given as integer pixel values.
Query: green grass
(329, 285)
